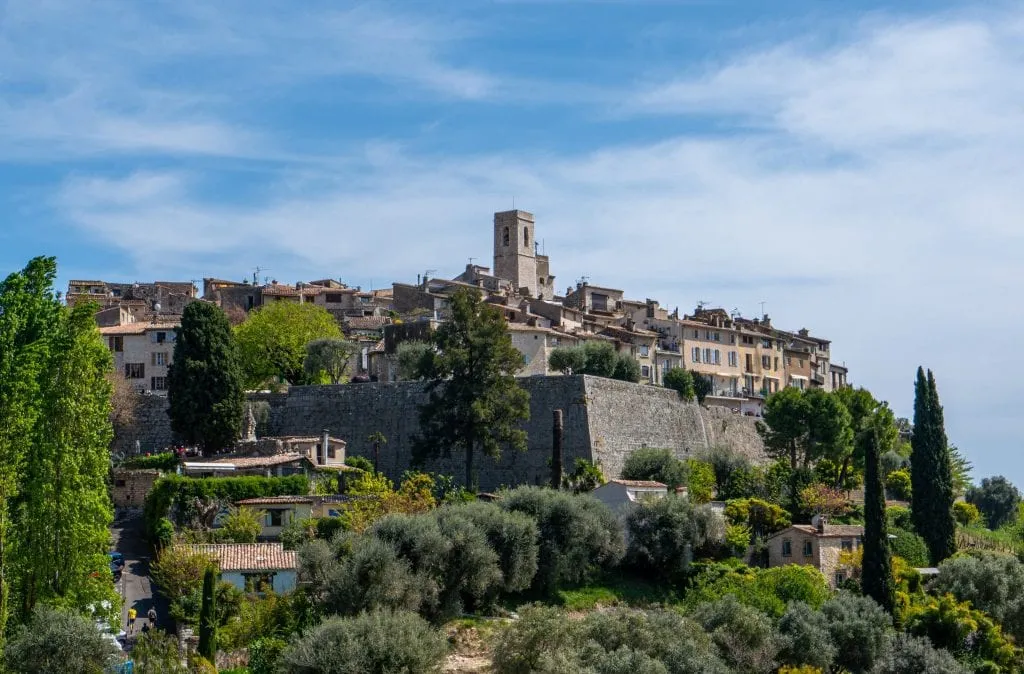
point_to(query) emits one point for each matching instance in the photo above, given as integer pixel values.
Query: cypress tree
(931, 472)
(945, 524)
(204, 383)
(876, 579)
(208, 616)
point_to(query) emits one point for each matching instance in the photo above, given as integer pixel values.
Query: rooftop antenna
(513, 202)
(762, 307)
(471, 261)
(702, 303)
(256, 273)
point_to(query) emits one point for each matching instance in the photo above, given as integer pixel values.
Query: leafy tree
(762, 517)
(586, 476)
(702, 386)
(272, 341)
(64, 510)
(767, 590)
(378, 641)
(648, 463)
(860, 631)
(264, 654)
(156, 652)
(58, 641)
(804, 637)
(966, 514)
(681, 381)
(540, 630)
(626, 369)
(909, 546)
(512, 535)
(579, 535)
(208, 616)
(475, 402)
(665, 536)
(991, 582)
(962, 630)
(242, 525)
(961, 469)
(868, 417)
(567, 360)
(915, 655)
(745, 636)
(415, 359)
(805, 426)
(930, 472)
(996, 498)
(700, 480)
(178, 571)
(876, 578)
(822, 499)
(899, 484)
(330, 357)
(204, 382)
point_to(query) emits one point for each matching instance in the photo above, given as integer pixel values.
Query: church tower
(515, 255)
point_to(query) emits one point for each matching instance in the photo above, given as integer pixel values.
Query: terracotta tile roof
(648, 484)
(831, 530)
(259, 461)
(379, 347)
(139, 328)
(87, 283)
(367, 322)
(248, 556)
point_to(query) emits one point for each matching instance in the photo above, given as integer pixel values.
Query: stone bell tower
(515, 255)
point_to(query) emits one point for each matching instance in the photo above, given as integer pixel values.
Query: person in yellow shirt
(131, 619)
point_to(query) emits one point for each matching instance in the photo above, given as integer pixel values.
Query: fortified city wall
(604, 421)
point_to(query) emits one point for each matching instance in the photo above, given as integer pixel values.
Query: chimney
(819, 523)
(766, 321)
(324, 441)
(803, 332)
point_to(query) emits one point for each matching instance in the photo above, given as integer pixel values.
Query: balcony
(818, 379)
(665, 345)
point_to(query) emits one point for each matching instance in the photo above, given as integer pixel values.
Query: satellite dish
(156, 307)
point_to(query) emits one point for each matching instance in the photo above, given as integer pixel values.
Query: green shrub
(371, 576)
(991, 581)
(915, 655)
(680, 381)
(804, 637)
(666, 534)
(767, 590)
(174, 496)
(762, 517)
(860, 630)
(57, 641)
(165, 461)
(539, 630)
(700, 480)
(379, 641)
(745, 636)
(898, 484)
(264, 654)
(648, 463)
(966, 514)
(512, 535)
(360, 462)
(578, 535)
(909, 546)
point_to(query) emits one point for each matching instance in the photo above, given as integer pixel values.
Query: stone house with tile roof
(818, 544)
(253, 567)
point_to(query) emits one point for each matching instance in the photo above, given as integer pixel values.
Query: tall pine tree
(475, 402)
(204, 383)
(930, 472)
(876, 578)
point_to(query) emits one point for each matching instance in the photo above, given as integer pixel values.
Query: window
(707, 356)
(505, 237)
(734, 359)
(717, 336)
(846, 545)
(766, 343)
(159, 337)
(747, 339)
(789, 361)
(332, 298)
(134, 370)
(707, 335)
(718, 357)
(766, 362)
(696, 334)
(258, 582)
(776, 363)
(749, 362)
(330, 451)
(645, 350)
(787, 548)
(158, 358)
(695, 354)
(117, 343)
(119, 483)
(840, 578)
(808, 548)
(645, 371)
(275, 518)
(526, 236)
(158, 383)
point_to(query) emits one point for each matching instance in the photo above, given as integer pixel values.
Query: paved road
(135, 586)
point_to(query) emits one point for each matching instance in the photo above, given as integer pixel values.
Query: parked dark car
(116, 563)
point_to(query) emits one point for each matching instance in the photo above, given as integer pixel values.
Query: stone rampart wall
(604, 420)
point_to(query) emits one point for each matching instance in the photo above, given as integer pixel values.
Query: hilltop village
(743, 359)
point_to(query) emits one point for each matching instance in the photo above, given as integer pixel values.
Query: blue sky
(856, 166)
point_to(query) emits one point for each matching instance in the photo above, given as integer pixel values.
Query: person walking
(131, 619)
(151, 616)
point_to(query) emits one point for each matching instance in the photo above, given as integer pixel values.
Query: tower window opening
(506, 236)
(526, 236)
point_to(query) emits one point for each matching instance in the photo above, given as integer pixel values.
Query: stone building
(253, 567)
(143, 301)
(516, 257)
(142, 353)
(818, 544)
(622, 495)
(131, 486)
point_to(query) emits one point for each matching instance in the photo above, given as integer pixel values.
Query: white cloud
(869, 190)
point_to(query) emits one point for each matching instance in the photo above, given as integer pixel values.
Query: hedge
(176, 493)
(162, 461)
